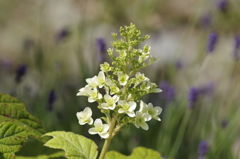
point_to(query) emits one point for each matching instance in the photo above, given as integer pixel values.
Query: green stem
(108, 140)
(180, 134)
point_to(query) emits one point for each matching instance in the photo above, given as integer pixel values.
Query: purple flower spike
(206, 21)
(61, 35)
(212, 40)
(21, 71)
(222, 5)
(101, 47)
(51, 100)
(168, 92)
(202, 149)
(236, 47)
(192, 96)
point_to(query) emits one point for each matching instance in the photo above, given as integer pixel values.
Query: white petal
(120, 102)
(147, 117)
(98, 123)
(132, 105)
(144, 126)
(87, 111)
(105, 128)
(104, 135)
(99, 96)
(107, 97)
(101, 75)
(131, 114)
(92, 131)
(79, 115)
(121, 111)
(159, 110)
(112, 106)
(150, 106)
(104, 106)
(91, 100)
(115, 98)
(90, 121)
(81, 122)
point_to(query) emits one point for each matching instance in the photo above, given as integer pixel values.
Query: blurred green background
(49, 47)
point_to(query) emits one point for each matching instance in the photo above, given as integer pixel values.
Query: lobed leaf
(75, 146)
(52, 156)
(12, 138)
(13, 110)
(138, 153)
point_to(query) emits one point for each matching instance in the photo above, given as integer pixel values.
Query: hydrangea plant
(117, 89)
(123, 86)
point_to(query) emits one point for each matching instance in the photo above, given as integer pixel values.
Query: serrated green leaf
(138, 153)
(57, 155)
(75, 146)
(7, 156)
(13, 110)
(12, 138)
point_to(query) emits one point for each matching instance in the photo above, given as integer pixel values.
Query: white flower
(100, 128)
(85, 116)
(83, 91)
(140, 120)
(101, 79)
(122, 78)
(112, 86)
(92, 82)
(144, 110)
(154, 111)
(127, 107)
(105, 67)
(110, 102)
(141, 77)
(150, 111)
(93, 95)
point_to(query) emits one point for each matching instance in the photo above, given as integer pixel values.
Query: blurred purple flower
(224, 123)
(206, 89)
(202, 149)
(206, 20)
(192, 97)
(62, 34)
(5, 65)
(21, 71)
(27, 44)
(168, 91)
(212, 40)
(179, 64)
(101, 47)
(236, 47)
(222, 5)
(51, 100)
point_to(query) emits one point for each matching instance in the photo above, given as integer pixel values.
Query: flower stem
(108, 140)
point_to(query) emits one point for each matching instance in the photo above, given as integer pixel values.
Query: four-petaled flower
(92, 82)
(99, 128)
(127, 107)
(150, 111)
(93, 95)
(110, 102)
(140, 120)
(85, 116)
(122, 78)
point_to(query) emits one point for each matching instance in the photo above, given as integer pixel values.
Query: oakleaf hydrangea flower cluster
(118, 87)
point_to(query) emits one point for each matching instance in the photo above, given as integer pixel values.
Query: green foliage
(12, 138)
(13, 110)
(75, 146)
(138, 153)
(56, 155)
